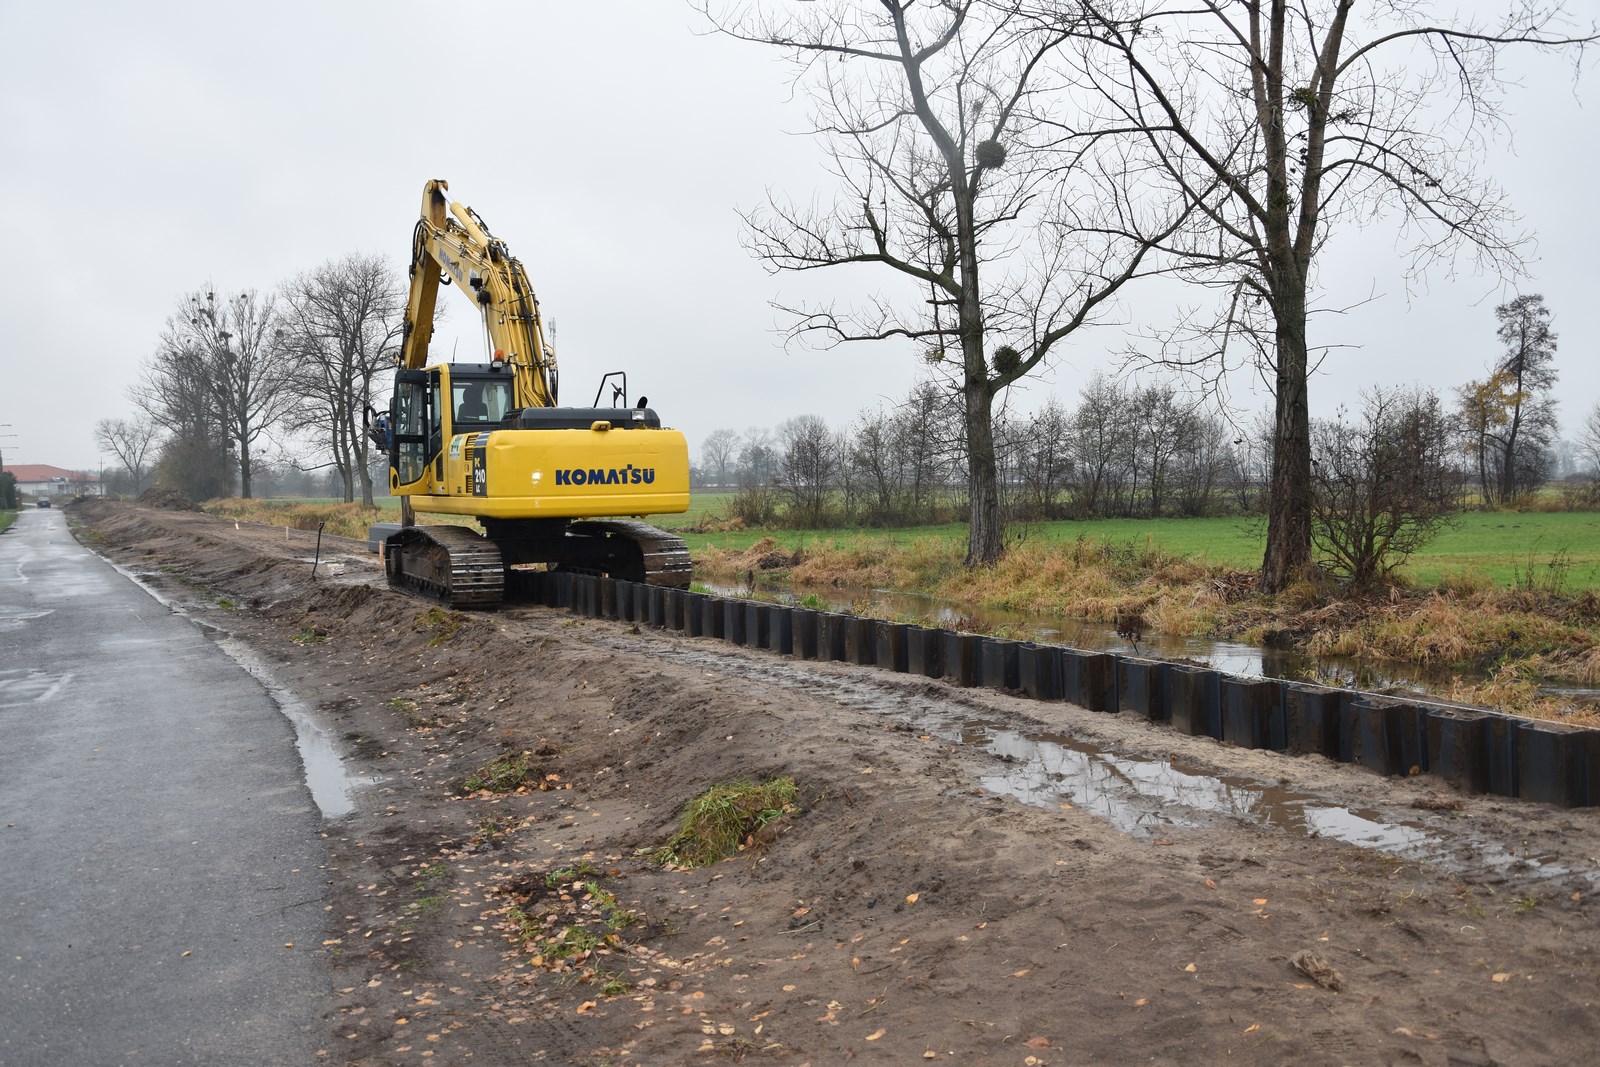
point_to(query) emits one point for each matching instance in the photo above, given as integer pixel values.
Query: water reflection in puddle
(1146, 797)
(1139, 795)
(330, 783)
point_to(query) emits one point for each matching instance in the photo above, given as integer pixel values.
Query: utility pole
(6, 425)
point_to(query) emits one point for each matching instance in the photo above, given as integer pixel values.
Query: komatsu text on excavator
(549, 485)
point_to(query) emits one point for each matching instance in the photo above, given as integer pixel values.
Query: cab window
(479, 403)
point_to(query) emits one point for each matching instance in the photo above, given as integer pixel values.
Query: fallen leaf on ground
(911, 898)
(587, 1006)
(1252, 1028)
(1037, 1042)
(876, 1034)
(1191, 968)
(1502, 977)
(1318, 970)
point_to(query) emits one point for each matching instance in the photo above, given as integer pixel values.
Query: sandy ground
(973, 878)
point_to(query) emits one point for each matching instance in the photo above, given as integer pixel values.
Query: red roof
(43, 472)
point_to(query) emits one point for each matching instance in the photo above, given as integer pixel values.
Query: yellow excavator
(549, 485)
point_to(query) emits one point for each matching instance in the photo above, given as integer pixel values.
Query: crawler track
(449, 564)
(460, 569)
(663, 559)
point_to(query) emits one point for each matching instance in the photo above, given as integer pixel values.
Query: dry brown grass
(1515, 688)
(343, 520)
(1464, 623)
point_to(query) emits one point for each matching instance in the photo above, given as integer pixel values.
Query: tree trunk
(1508, 468)
(244, 467)
(986, 532)
(1288, 553)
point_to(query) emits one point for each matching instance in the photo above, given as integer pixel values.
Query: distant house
(41, 479)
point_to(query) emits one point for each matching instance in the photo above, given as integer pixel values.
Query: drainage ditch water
(1230, 657)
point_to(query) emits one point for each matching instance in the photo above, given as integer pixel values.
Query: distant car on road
(44, 502)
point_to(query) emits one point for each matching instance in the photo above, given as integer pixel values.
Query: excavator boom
(461, 248)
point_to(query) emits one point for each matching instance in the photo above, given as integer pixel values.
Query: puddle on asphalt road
(332, 786)
(330, 783)
(1147, 796)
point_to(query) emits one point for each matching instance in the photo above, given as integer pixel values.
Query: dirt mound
(170, 499)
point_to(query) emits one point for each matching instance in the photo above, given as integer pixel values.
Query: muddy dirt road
(973, 878)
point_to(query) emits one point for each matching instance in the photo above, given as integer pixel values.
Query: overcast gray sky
(149, 149)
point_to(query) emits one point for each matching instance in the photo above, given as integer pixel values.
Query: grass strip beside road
(7, 518)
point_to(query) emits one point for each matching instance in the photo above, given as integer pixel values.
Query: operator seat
(472, 408)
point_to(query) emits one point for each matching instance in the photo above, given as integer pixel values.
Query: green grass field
(7, 518)
(1504, 547)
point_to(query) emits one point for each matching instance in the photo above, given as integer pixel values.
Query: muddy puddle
(331, 785)
(1143, 796)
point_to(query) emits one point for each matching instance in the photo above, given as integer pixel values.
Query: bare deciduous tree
(1384, 483)
(217, 382)
(808, 467)
(343, 326)
(1589, 442)
(1307, 115)
(718, 450)
(131, 441)
(951, 180)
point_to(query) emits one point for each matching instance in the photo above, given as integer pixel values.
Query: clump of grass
(491, 828)
(581, 923)
(503, 774)
(227, 604)
(722, 817)
(430, 874)
(414, 717)
(579, 870)
(1515, 686)
(612, 984)
(444, 624)
(309, 635)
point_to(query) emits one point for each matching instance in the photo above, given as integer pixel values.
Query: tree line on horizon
(1385, 476)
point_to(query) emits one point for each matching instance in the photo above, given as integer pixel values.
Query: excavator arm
(462, 249)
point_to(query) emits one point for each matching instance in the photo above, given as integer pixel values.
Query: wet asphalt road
(158, 845)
